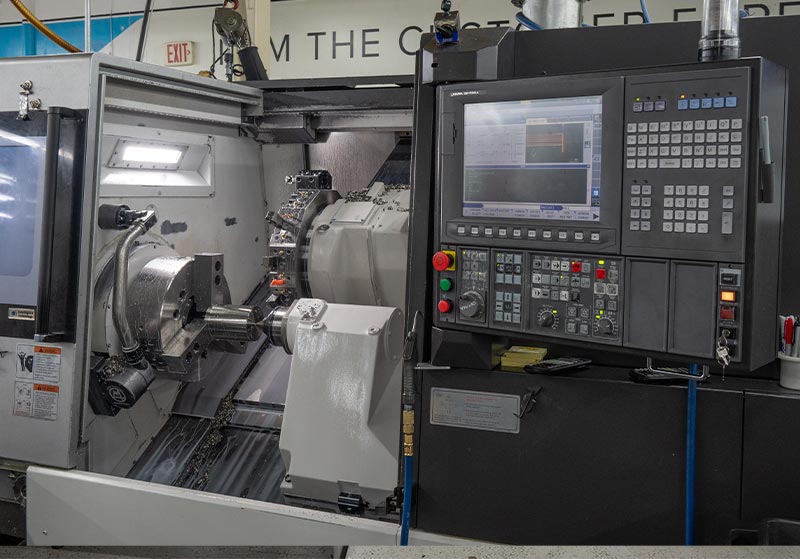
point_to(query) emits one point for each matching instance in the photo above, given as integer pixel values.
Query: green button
(446, 284)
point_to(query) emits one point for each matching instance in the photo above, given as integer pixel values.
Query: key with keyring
(723, 354)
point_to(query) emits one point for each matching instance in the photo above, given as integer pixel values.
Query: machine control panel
(555, 295)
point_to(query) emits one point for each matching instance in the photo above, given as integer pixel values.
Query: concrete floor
(484, 552)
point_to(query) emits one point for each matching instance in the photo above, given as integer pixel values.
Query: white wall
(307, 27)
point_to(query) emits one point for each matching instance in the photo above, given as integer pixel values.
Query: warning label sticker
(39, 363)
(36, 400)
(475, 410)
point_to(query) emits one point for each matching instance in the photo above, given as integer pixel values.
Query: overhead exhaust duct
(553, 14)
(720, 40)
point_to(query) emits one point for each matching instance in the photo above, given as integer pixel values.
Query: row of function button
(686, 163)
(530, 234)
(660, 105)
(686, 125)
(684, 138)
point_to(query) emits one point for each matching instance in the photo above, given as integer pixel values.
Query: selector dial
(547, 318)
(605, 327)
(471, 305)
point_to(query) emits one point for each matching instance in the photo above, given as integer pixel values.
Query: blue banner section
(25, 39)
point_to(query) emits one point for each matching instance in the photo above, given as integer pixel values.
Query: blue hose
(530, 24)
(645, 13)
(691, 449)
(408, 482)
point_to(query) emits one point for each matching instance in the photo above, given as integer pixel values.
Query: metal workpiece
(129, 342)
(275, 327)
(554, 14)
(720, 39)
(234, 324)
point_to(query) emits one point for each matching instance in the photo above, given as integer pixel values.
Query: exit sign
(180, 53)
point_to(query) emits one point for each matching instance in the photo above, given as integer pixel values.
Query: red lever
(442, 261)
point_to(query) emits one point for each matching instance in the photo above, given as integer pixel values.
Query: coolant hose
(46, 31)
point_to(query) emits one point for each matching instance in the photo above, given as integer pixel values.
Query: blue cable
(691, 454)
(645, 13)
(408, 482)
(530, 24)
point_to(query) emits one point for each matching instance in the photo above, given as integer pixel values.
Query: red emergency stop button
(442, 261)
(445, 306)
(278, 282)
(600, 274)
(576, 267)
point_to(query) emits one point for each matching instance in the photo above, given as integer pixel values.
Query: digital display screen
(538, 159)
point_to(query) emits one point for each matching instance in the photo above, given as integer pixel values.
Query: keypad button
(687, 150)
(531, 233)
(691, 215)
(632, 128)
(702, 203)
(677, 126)
(634, 225)
(653, 127)
(694, 104)
(668, 214)
(636, 202)
(736, 150)
(680, 215)
(669, 190)
(661, 106)
(699, 124)
(724, 124)
(731, 102)
(702, 215)
(711, 163)
(663, 151)
(645, 226)
(688, 138)
(646, 214)
(691, 227)
(647, 189)
(474, 231)
(680, 227)
(652, 152)
(517, 233)
(647, 202)
(641, 152)
(719, 102)
(680, 202)
(699, 150)
(699, 137)
(711, 150)
(652, 163)
(688, 126)
(631, 140)
(642, 127)
(707, 103)
(702, 228)
(724, 137)
(642, 139)
(737, 124)
(635, 214)
(712, 124)
(649, 106)
(728, 190)
(669, 202)
(736, 136)
(641, 164)
(723, 163)
(703, 190)
(676, 138)
(736, 163)
(691, 203)
(691, 190)
(652, 138)
(711, 137)
(675, 151)
(724, 150)
(636, 189)
(680, 190)
(667, 227)
(686, 163)
(664, 138)
(664, 127)
(727, 204)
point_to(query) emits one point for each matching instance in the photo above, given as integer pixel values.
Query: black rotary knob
(547, 319)
(471, 305)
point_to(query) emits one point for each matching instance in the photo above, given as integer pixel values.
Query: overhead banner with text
(326, 38)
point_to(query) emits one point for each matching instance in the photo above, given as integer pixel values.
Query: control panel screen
(537, 159)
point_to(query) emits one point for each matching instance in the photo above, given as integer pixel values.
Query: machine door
(41, 175)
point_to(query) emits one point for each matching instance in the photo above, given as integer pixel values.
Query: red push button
(445, 306)
(576, 267)
(727, 313)
(600, 274)
(442, 261)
